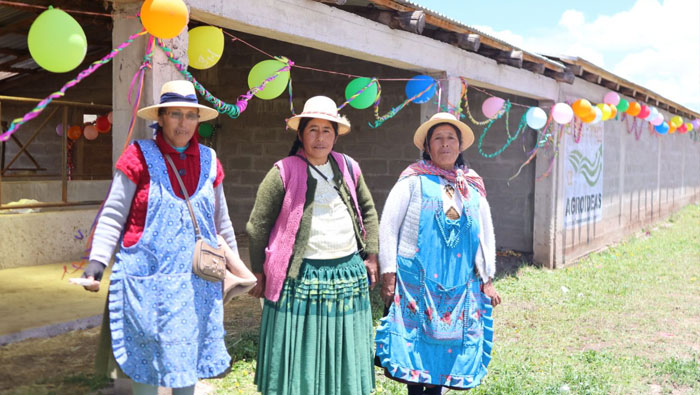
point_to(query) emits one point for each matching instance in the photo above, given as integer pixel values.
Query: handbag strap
(197, 233)
(333, 184)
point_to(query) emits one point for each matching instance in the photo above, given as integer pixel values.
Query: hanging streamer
(16, 123)
(232, 110)
(395, 110)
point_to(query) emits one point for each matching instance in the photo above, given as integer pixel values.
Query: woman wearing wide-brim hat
(164, 325)
(437, 259)
(313, 245)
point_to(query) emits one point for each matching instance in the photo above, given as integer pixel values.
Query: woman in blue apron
(164, 325)
(437, 259)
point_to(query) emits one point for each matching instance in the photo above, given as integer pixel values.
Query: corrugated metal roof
(12, 14)
(13, 41)
(413, 4)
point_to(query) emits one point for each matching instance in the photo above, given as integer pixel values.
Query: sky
(653, 43)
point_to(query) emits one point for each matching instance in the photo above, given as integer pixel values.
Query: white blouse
(332, 234)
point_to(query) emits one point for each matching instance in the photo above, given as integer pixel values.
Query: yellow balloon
(676, 121)
(689, 126)
(164, 18)
(205, 46)
(605, 110)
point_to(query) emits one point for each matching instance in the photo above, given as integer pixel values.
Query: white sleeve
(393, 215)
(486, 253)
(112, 218)
(224, 227)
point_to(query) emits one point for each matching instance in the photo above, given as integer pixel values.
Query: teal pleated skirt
(317, 338)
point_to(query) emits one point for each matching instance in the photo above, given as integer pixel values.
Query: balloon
(102, 124)
(206, 130)
(658, 120)
(634, 109)
(492, 106)
(611, 98)
(264, 70)
(59, 129)
(653, 113)
(605, 111)
(164, 18)
(644, 112)
(74, 132)
(562, 113)
(598, 115)
(671, 129)
(205, 46)
(90, 132)
(661, 128)
(417, 85)
(623, 105)
(590, 117)
(682, 129)
(56, 41)
(676, 121)
(109, 117)
(582, 108)
(696, 123)
(536, 117)
(367, 98)
(689, 126)
(613, 110)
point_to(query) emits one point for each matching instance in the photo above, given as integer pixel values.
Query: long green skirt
(317, 338)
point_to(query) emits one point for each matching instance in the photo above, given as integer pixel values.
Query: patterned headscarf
(458, 176)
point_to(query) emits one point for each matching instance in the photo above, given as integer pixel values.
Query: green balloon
(56, 41)
(264, 70)
(367, 97)
(623, 105)
(206, 130)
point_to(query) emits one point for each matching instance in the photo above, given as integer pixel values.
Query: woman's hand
(259, 290)
(490, 291)
(388, 288)
(94, 271)
(372, 269)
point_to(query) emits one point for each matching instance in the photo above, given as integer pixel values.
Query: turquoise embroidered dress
(166, 323)
(439, 328)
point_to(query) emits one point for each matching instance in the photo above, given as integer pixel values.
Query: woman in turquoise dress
(437, 259)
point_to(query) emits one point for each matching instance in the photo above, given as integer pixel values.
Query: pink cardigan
(281, 244)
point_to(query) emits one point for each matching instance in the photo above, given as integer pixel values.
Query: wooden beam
(447, 25)
(590, 77)
(611, 85)
(512, 58)
(412, 21)
(15, 52)
(574, 68)
(10, 69)
(564, 76)
(537, 68)
(335, 2)
(470, 42)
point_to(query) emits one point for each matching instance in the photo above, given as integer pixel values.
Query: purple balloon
(696, 123)
(59, 130)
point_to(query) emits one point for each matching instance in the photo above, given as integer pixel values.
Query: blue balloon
(417, 85)
(662, 128)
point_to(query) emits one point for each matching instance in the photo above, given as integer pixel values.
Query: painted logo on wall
(583, 177)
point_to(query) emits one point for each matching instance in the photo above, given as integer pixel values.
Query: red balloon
(644, 112)
(682, 129)
(102, 124)
(74, 132)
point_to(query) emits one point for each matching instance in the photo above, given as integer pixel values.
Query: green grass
(622, 321)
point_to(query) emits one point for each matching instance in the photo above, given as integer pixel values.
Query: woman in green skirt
(313, 247)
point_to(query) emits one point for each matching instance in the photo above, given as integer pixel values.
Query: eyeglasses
(178, 116)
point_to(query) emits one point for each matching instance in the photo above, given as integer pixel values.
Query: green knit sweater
(268, 204)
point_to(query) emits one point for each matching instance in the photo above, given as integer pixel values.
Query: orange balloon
(613, 110)
(634, 109)
(671, 129)
(164, 18)
(582, 107)
(74, 132)
(588, 118)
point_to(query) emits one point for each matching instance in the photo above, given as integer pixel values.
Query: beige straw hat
(321, 107)
(443, 117)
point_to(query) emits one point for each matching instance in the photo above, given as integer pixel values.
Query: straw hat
(443, 117)
(321, 107)
(177, 93)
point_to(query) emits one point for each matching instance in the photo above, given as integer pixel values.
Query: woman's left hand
(490, 291)
(372, 268)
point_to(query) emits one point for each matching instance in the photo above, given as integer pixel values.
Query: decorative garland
(17, 122)
(395, 110)
(521, 127)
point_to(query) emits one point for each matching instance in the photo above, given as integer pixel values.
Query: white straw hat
(177, 93)
(443, 117)
(321, 107)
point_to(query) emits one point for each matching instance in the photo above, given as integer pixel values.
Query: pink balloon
(59, 129)
(611, 98)
(109, 117)
(492, 106)
(562, 113)
(658, 120)
(90, 132)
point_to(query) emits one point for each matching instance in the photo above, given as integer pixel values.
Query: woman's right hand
(94, 271)
(259, 290)
(388, 288)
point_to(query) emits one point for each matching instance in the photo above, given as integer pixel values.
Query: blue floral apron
(167, 323)
(439, 328)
